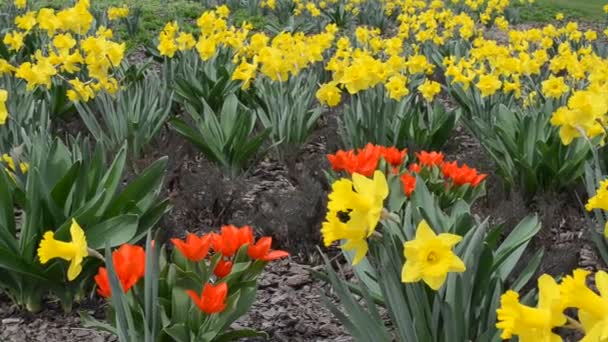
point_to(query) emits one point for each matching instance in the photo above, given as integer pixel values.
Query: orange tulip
(261, 250)
(129, 265)
(213, 298)
(194, 248)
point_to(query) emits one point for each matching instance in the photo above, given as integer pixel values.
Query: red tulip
(213, 298)
(222, 268)
(129, 265)
(261, 250)
(194, 248)
(430, 158)
(231, 239)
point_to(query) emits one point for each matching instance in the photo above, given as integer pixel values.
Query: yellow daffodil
(429, 89)
(27, 21)
(329, 94)
(354, 210)
(532, 324)
(397, 87)
(554, 87)
(592, 307)
(14, 40)
(20, 3)
(245, 72)
(429, 257)
(488, 85)
(3, 110)
(74, 251)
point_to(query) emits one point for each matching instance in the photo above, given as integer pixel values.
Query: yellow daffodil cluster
(281, 57)
(536, 323)
(314, 8)
(277, 58)
(115, 13)
(600, 201)
(85, 61)
(214, 34)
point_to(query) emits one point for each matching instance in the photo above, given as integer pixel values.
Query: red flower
(430, 158)
(462, 175)
(194, 248)
(261, 250)
(364, 161)
(213, 298)
(415, 168)
(103, 283)
(129, 265)
(231, 239)
(222, 268)
(409, 183)
(341, 160)
(393, 156)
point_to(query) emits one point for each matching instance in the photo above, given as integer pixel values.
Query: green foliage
(134, 115)
(524, 145)
(63, 184)
(203, 83)
(463, 309)
(28, 115)
(227, 137)
(409, 123)
(287, 109)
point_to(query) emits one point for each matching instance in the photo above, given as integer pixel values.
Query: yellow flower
(592, 308)
(115, 13)
(3, 110)
(354, 211)
(532, 324)
(10, 163)
(74, 251)
(554, 87)
(206, 48)
(20, 3)
(329, 94)
(397, 87)
(27, 21)
(185, 41)
(600, 200)
(14, 40)
(559, 16)
(488, 85)
(245, 72)
(429, 257)
(223, 11)
(429, 89)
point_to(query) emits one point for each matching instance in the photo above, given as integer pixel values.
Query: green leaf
(113, 232)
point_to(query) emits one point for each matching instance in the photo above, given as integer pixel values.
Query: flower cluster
(446, 179)
(536, 324)
(85, 61)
